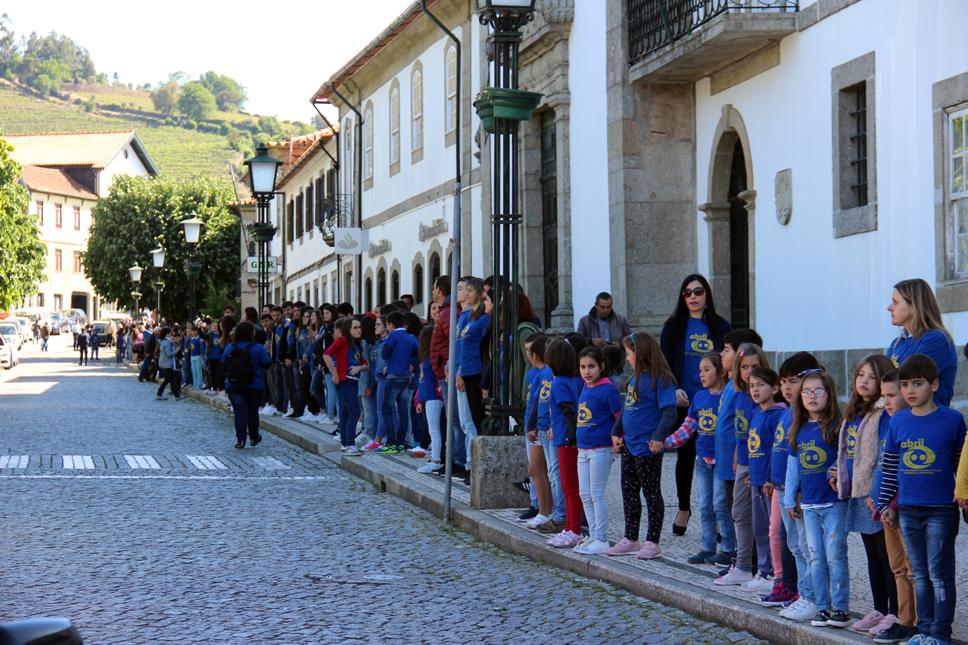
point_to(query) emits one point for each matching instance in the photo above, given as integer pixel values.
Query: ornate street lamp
(501, 108)
(135, 273)
(193, 229)
(137, 302)
(263, 169)
(158, 260)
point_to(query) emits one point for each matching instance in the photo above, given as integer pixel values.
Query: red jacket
(340, 351)
(440, 342)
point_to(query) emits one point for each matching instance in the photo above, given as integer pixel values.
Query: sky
(281, 51)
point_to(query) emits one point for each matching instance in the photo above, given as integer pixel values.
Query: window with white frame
(416, 109)
(957, 152)
(394, 123)
(450, 109)
(368, 142)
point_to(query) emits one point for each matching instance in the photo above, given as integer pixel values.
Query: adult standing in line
(602, 326)
(344, 360)
(81, 342)
(439, 355)
(245, 386)
(44, 336)
(915, 309)
(692, 331)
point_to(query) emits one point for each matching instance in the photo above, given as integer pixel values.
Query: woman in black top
(693, 330)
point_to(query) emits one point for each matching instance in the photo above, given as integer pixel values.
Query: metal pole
(451, 411)
(359, 192)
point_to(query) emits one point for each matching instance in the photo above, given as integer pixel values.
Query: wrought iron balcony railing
(653, 24)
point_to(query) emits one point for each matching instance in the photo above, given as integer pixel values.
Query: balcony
(679, 41)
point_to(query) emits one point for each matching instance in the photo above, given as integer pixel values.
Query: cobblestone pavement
(138, 520)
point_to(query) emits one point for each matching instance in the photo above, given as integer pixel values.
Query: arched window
(394, 123)
(450, 90)
(416, 107)
(395, 285)
(368, 294)
(381, 287)
(418, 284)
(450, 260)
(434, 267)
(368, 142)
(348, 157)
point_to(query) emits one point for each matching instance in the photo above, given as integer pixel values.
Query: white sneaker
(429, 467)
(759, 585)
(268, 410)
(537, 521)
(580, 548)
(597, 547)
(734, 577)
(801, 610)
(308, 417)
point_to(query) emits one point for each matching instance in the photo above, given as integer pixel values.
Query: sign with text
(252, 264)
(350, 241)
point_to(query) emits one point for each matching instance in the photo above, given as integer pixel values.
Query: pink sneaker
(649, 551)
(372, 446)
(565, 540)
(624, 546)
(884, 625)
(868, 622)
(734, 577)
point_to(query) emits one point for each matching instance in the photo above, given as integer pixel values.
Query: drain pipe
(336, 205)
(359, 190)
(451, 410)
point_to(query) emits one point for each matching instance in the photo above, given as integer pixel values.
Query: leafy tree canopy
(165, 98)
(196, 102)
(139, 214)
(22, 254)
(229, 95)
(43, 62)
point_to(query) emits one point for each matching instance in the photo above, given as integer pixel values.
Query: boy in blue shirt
(920, 458)
(400, 353)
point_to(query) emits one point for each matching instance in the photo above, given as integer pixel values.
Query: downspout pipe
(335, 160)
(359, 190)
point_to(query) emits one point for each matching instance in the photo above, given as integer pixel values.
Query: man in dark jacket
(149, 344)
(602, 326)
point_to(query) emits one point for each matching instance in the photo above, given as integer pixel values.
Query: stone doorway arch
(730, 218)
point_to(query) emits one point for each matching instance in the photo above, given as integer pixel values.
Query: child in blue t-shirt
(764, 388)
(563, 411)
(539, 390)
(701, 421)
(598, 406)
(195, 357)
(924, 444)
(429, 401)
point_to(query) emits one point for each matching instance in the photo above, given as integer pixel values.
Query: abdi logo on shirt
(812, 458)
(707, 420)
(701, 344)
(584, 414)
(917, 456)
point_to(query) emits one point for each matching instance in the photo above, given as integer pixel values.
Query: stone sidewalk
(667, 579)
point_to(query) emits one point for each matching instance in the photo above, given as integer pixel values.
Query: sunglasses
(698, 291)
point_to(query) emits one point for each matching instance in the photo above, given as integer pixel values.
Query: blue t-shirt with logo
(564, 389)
(427, 385)
(726, 434)
(704, 408)
(815, 456)
(759, 441)
(781, 448)
(531, 392)
(741, 425)
(470, 335)
(926, 447)
(851, 428)
(883, 427)
(544, 379)
(598, 406)
(696, 344)
(939, 346)
(196, 346)
(643, 411)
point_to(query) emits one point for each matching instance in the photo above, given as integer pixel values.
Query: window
(289, 220)
(299, 294)
(957, 152)
(395, 285)
(40, 213)
(418, 284)
(368, 293)
(77, 218)
(394, 127)
(450, 108)
(58, 260)
(318, 194)
(58, 216)
(299, 216)
(549, 210)
(310, 206)
(40, 300)
(316, 301)
(368, 145)
(77, 262)
(307, 293)
(858, 142)
(58, 302)
(416, 109)
(854, 158)
(381, 287)
(434, 267)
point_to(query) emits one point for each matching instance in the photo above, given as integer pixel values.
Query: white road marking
(185, 477)
(14, 461)
(270, 463)
(142, 461)
(78, 462)
(206, 462)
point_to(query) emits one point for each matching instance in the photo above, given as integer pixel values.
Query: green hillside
(179, 152)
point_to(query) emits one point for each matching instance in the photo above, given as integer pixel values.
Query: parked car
(106, 331)
(58, 323)
(25, 328)
(11, 333)
(8, 355)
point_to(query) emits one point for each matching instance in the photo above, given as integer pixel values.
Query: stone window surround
(947, 95)
(860, 219)
(416, 112)
(421, 289)
(368, 147)
(394, 121)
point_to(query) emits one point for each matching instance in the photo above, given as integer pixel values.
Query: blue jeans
(245, 406)
(797, 542)
(331, 399)
(278, 382)
(827, 540)
(292, 380)
(380, 395)
(467, 425)
(594, 465)
(534, 493)
(554, 476)
(713, 509)
(396, 409)
(197, 364)
(929, 534)
(348, 392)
(433, 410)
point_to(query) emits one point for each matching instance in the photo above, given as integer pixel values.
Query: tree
(138, 214)
(22, 254)
(229, 95)
(56, 58)
(196, 102)
(165, 98)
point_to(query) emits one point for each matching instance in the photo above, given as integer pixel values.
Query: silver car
(11, 334)
(8, 355)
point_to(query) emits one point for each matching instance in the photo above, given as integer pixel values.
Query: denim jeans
(186, 373)
(245, 405)
(713, 509)
(332, 401)
(533, 491)
(762, 506)
(557, 494)
(280, 391)
(348, 392)
(380, 395)
(827, 540)
(197, 364)
(433, 410)
(467, 425)
(929, 534)
(292, 380)
(594, 465)
(396, 409)
(797, 542)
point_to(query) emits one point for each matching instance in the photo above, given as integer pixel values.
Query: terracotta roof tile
(56, 182)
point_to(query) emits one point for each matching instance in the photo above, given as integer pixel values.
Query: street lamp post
(158, 260)
(193, 229)
(500, 108)
(134, 272)
(262, 177)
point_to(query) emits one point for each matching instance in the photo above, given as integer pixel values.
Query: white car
(25, 330)
(8, 355)
(11, 334)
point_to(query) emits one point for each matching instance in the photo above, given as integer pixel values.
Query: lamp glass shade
(262, 171)
(193, 229)
(506, 5)
(158, 257)
(135, 273)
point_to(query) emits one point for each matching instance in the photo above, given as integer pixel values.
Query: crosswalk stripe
(14, 461)
(270, 463)
(142, 461)
(206, 462)
(78, 462)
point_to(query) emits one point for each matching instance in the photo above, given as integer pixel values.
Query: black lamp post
(158, 260)
(501, 107)
(134, 272)
(262, 177)
(193, 229)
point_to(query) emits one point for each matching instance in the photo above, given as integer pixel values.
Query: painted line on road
(14, 461)
(177, 477)
(78, 462)
(142, 461)
(206, 462)
(270, 463)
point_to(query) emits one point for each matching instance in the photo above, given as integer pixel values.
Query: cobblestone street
(138, 520)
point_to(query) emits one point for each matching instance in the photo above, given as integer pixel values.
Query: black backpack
(238, 366)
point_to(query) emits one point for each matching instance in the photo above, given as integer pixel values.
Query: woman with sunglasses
(692, 331)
